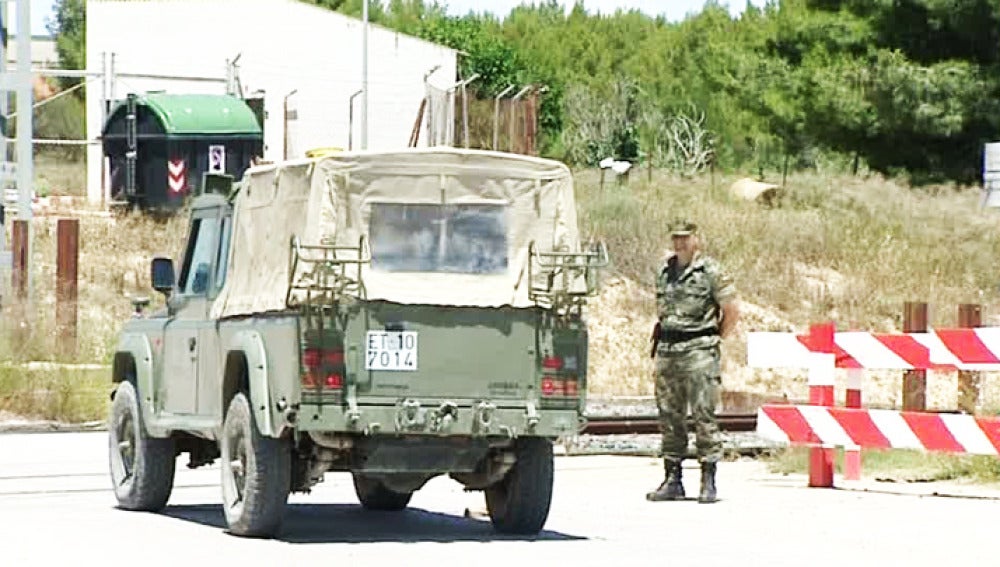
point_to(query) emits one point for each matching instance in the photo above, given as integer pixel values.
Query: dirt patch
(620, 321)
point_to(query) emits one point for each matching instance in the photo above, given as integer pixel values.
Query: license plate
(391, 350)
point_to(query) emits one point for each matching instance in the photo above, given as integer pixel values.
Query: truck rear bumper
(446, 418)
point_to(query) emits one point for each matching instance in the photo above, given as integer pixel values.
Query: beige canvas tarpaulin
(329, 200)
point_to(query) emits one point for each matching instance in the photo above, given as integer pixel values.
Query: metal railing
(649, 424)
(326, 273)
(554, 278)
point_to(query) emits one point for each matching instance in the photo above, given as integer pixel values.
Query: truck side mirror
(162, 275)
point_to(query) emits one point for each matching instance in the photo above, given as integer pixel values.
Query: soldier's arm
(654, 339)
(730, 315)
(725, 297)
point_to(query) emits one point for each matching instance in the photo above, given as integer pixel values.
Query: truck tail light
(311, 358)
(548, 386)
(556, 380)
(323, 370)
(552, 364)
(334, 382)
(560, 387)
(570, 387)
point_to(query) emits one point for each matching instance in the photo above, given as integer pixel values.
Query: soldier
(696, 308)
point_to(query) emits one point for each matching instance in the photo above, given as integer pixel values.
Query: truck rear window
(466, 239)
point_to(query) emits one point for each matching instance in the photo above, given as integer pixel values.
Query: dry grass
(57, 175)
(846, 249)
(113, 267)
(850, 250)
(55, 392)
(899, 465)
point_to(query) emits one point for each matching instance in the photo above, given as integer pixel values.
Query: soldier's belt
(682, 336)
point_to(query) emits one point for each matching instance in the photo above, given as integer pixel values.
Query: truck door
(212, 355)
(182, 335)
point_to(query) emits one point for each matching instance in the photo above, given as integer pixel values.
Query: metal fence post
(67, 256)
(915, 381)
(969, 317)
(20, 251)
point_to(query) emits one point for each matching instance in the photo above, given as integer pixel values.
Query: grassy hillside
(847, 249)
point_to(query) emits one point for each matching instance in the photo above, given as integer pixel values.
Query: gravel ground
(734, 444)
(621, 407)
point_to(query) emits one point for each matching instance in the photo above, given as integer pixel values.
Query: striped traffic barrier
(939, 349)
(879, 429)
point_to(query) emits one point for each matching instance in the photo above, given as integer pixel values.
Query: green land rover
(394, 315)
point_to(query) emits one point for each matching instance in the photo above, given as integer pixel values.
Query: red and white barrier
(852, 399)
(940, 349)
(823, 427)
(879, 429)
(821, 387)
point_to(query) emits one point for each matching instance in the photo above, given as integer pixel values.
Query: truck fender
(137, 347)
(251, 344)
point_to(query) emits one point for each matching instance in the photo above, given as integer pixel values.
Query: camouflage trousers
(683, 378)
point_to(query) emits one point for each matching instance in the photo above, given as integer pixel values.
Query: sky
(674, 10)
(40, 10)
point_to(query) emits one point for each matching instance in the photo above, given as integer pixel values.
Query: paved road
(56, 508)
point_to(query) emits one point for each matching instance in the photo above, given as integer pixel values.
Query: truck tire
(519, 504)
(374, 495)
(256, 474)
(142, 467)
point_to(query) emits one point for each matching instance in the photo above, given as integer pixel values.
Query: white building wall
(283, 45)
(43, 52)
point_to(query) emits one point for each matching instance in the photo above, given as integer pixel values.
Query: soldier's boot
(707, 494)
(672, 488)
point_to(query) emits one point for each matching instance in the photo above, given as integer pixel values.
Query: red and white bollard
(852, 453)
(822, 362)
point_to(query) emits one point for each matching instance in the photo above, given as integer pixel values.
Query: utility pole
(25, 100)
(4, 34)
(288, 116)
(350, 120)
(364, 76)
(6, 258)
(20, 82)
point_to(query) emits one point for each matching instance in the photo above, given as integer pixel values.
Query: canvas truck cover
(445, 226)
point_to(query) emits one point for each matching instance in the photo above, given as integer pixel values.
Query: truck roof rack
(326, 273)
(564, 280)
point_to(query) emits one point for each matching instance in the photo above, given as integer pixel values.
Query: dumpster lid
(192, 115)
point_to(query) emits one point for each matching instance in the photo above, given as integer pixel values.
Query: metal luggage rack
(551, 275)
(328, 272)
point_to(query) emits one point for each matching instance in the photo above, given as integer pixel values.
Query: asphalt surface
(56, 508)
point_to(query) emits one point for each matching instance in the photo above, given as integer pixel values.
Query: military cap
(682, 227)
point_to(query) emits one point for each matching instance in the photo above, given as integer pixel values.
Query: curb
(51, 427)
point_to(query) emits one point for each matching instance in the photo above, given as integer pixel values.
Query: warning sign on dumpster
(216, 159)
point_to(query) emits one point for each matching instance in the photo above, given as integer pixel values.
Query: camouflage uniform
(688, 369)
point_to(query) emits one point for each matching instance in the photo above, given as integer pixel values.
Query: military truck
(395, 315)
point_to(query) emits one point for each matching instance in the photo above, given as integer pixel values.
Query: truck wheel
(374, 495)
(256, 474)
(519, 504)
(142, 467)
